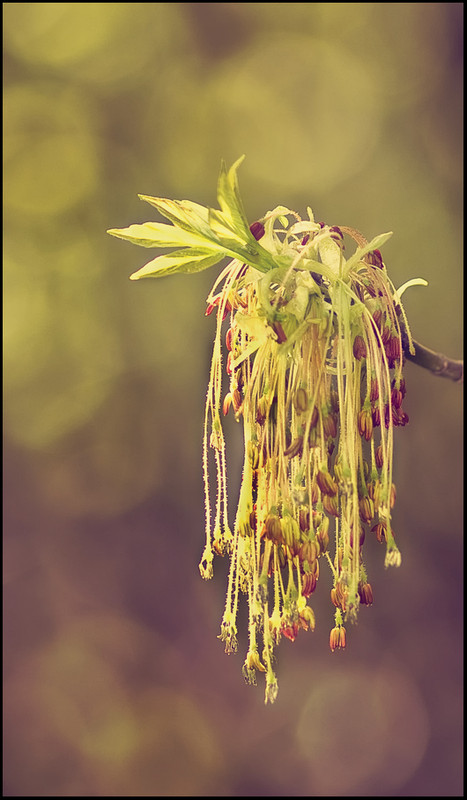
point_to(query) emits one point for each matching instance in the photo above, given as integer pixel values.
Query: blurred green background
(114, 681)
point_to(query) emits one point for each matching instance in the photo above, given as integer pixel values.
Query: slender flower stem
(437, 363)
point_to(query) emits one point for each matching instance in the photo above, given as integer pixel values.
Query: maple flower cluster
(308, 354)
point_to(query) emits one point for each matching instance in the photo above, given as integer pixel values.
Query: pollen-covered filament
(313, 361)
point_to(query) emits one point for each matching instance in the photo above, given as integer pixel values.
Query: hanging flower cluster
(308, 354)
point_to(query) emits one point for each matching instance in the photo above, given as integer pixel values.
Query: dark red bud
(374, 258)
(257, 229)
(359, 347)
(379, 456)
(279, 331)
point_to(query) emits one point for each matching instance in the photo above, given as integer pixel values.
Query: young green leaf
(228, 196)
(375, 244)
(157, 234)
(185, 261)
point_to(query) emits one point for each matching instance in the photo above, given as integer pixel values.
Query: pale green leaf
(255, 327)
(185, 214)
(331, 255)
(156, 234)
(228, 197)
(184, 261)
(360, 252)
(413, 282)
(223, 232)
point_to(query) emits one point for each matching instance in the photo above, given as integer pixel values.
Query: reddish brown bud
(366, 508)
(337, 638)
(301, 400)
(334, 639)
(379, 456)
(226, 404)
(385, 335)
(308, 552)
(330, 505)
(396, 397)
(322, 536)
(295, 448)
(326, 483)
(308, 584)
(307, 618)
(334, 401)
(399, 417)
(236, 400)
(365, 424)
(273, 529)
(359, 347)
(377, 317)
(330, 425)
(374, 491)
(304, 519)
(393, 348)
(228, 339)
(337, 236)
(291, 631)
(339, 595)
(314, 568)
(374, 258)
(314, 418)
(380, 530)
(365, 593)
(374, 390)
(257, 229)
(375, 416)
(279, 331)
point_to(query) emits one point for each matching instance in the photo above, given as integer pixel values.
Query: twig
(437, 363)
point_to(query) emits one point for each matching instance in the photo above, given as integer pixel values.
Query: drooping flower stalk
(308, 354)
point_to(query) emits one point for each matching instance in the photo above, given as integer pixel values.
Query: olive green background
(114, 682)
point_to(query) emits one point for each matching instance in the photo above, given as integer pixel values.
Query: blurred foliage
(114, 681)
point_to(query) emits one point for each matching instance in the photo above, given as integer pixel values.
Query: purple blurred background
(114, 681)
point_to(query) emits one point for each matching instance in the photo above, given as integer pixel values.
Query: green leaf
(255, 327)
(212, 230)
(211, 234)
(156, 234)
(375, 244)
(413, 282)
(185, 261)
(228, 197)
(222, 232)
(185, 214)
(331, 255)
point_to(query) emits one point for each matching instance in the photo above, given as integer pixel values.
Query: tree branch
(437, 363)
